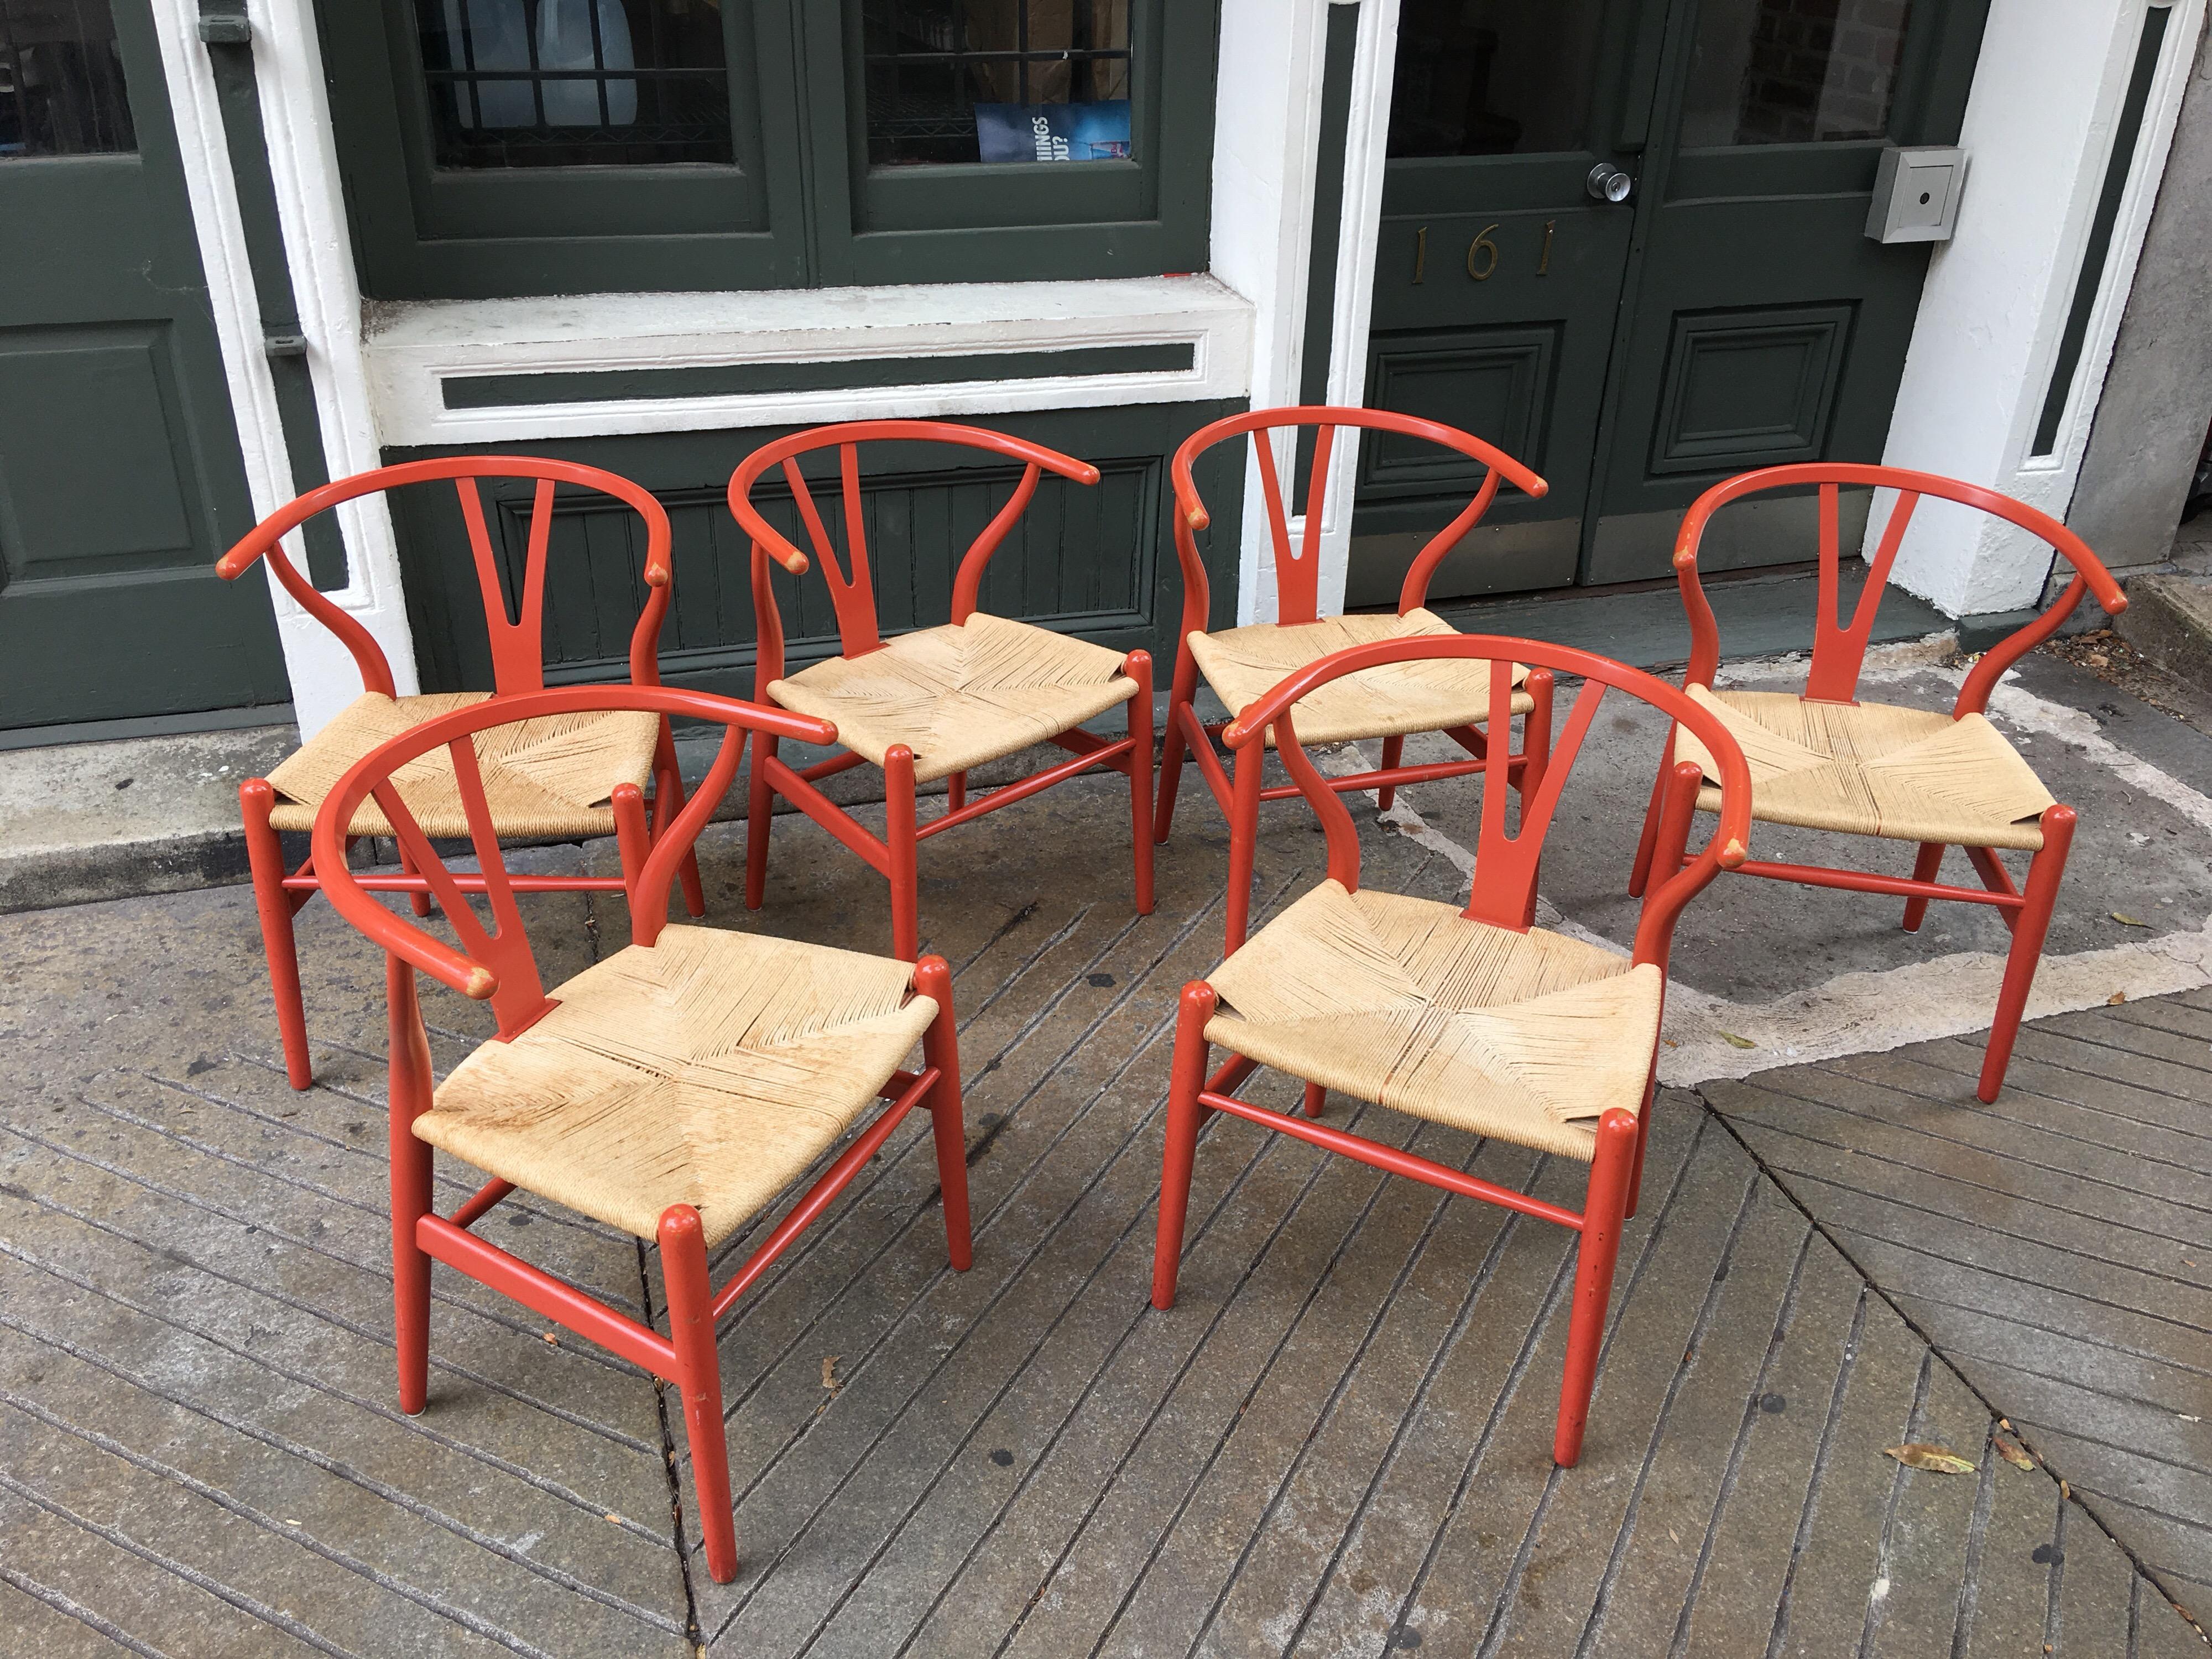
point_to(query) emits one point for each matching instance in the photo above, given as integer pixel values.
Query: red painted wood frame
(1503, 894)
(518, 665)
(853, 598)
(1297, 580)
(495, 964)
(1839, 652)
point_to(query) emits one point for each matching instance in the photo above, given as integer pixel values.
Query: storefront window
(61, 80)
(955, 81)
(1789, 72)
(541, 83)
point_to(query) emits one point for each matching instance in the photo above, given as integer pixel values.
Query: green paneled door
(1718, 308)
(120, 480)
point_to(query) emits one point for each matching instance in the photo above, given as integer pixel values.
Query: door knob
(1608, 183)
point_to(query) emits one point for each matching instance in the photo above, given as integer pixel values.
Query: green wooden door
(120, 479)
(1727, 312)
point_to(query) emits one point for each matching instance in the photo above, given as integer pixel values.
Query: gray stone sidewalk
(1337, 1443)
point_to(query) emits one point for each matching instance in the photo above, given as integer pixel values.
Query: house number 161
(1482, 253)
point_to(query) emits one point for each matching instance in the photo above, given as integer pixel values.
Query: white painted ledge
(413, 348)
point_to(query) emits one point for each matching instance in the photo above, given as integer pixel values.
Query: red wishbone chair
(1243, 664)
(933, 702)
(1822, 760)
(1474, 1019)
(556, 780)
(672, 1092)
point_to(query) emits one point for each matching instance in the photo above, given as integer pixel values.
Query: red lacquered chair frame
(518, 665)
(851, 595)
(496, 965)
(1840, 651)
(1297, 578)
(1503, 894)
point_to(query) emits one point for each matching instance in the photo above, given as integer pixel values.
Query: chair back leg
(1611, 1172)
(940, 1048)
(1925, 863)
(760, 813)
(1181, 689)
(409, 1096)
(1139, 667)
(265, 857)
(1243, 842)
(2032, 922)
(1394, 754)
(1186, 1079)
(667, 802)
(699, 1379)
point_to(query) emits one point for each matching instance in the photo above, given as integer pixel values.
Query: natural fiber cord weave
(549, 777)
(1407, 1003)
(1871, 768)
(1243, 665)
(710, 1069)
(959, 694)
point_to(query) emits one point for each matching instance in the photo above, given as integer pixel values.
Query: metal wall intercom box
(1916, 195)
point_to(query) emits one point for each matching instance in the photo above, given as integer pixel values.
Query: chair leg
(1925, 864)
(1394, 752)
(1186, 1078)
(667, 802)
(899, 837)
(1317, 1099)
(2033, 921)
(760, 812)
(1181, 689)
(1139, 667)
(940, 1047)
(1536, 733)
(419, 902)
(956, 791)
(265, 857)
(1595, 1257)
(699, 1379)
(1639, 877)
(1244, 838)
(409, 1098)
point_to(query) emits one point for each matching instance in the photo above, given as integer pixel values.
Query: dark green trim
(148, 725)
(2126, 134)
(744, 379)
(230, 57)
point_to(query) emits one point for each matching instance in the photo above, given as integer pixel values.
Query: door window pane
(953, 80)
(1793, 71)
(61, 80)
(537, 83)
(1493, 78)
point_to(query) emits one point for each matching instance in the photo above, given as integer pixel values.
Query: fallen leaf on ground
(1938, 1459)
(829, 1372)
(1736, 1042)
(551, 1341)
(2116, 999)
(2126, 920)
(2013, 1452)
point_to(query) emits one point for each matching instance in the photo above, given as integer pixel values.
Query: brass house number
(1482, 253)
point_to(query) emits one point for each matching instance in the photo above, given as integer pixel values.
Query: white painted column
(287, 67)
(2038, 133)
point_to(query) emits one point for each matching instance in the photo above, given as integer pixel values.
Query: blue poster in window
(1054, 132)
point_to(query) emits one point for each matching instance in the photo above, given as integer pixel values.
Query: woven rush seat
(1243, 665)
(1873, 769)
(710, 1070)
(959, 694)
(1530, 1037)
(549, 777)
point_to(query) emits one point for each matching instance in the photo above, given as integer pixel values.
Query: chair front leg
(1535, 734)
(699, 1380)
(409, 1098)
(1639, 877)
(1925, 864)
(940, 1048)
(273, 905)
(899, 839)
(667, 802)
(1139, 667)
(760, 810)
(1611, 1171)
(2032, 922)
(1394, 752)
(1186, 1079)
(1181, 690)
(1244, 839)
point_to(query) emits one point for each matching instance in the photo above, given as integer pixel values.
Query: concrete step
(2169, 620)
